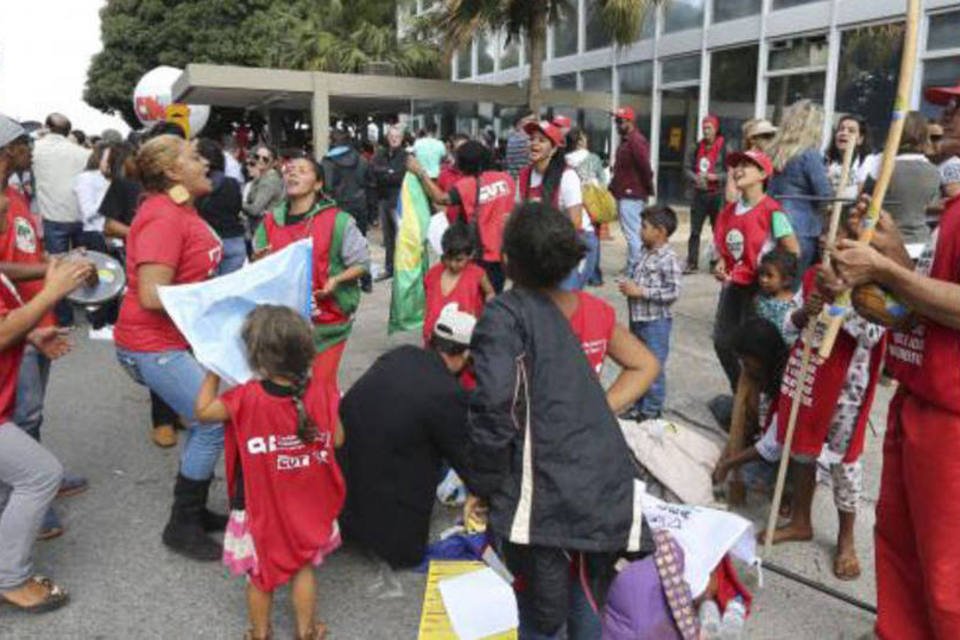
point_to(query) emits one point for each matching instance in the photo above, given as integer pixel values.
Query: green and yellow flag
(407, 304)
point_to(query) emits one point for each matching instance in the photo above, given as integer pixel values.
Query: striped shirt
(658, 273)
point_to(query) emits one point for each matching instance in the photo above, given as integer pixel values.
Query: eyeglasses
(936, 139)
(264, 158)
(251, 163)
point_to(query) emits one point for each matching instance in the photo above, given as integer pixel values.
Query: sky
(45, 49)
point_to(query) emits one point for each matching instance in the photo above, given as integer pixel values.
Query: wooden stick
(904, 86)
(834, 320)
(908, 63)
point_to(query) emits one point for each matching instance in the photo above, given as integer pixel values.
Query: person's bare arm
(208, 407)
(436, 195)
(789, 243)
(638, 369)
(63, 276)
(488, 291)
(575, 213)
(114, 229)
(150, 276)
(18, 271)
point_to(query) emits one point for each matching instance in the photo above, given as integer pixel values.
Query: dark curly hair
(541, 246)
(759, 338)
(785, 262)
(457, 240)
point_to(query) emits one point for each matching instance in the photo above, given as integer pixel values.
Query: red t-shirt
(11, 356)
(21, 243)
(163, 232)
(593, 323)
(293, 492)
(466, 293)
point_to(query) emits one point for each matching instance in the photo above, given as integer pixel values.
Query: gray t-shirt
(915, 185)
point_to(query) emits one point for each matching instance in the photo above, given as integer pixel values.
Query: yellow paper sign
(434, 624)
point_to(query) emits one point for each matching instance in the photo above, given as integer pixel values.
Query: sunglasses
(936, 139)
(264, 158)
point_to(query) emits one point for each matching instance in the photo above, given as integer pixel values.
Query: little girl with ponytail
(283, 481)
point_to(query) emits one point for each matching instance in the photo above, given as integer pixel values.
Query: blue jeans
(577, 279)
(656, 335)
(234, 255)
(176, 377)
(631, 212)
(31, 391)
(60, 237)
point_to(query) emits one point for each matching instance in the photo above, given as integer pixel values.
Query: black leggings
(734, 308)
(705, 206)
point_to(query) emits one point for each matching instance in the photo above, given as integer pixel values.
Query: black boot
(184, 532)
(210, 520)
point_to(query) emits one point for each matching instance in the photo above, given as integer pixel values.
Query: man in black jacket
(389, 168)
(402, 419)
(345, 176)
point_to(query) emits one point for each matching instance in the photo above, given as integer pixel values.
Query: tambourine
(112, 279)
(879, 306)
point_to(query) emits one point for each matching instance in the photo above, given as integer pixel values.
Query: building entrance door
(678, 131)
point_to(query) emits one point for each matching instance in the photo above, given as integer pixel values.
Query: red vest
(320, 228)
(293, 492)
(494, 202)
(593, 323)
(466, 293)
(825, 380)
(528, 193)
(926, 359)
(740, 239)
(707, 160)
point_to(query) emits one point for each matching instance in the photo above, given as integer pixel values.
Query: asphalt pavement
(125, 584)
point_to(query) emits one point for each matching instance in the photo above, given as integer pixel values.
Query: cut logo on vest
(908, 347)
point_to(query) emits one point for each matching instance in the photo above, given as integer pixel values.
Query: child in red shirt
(455, 279)
(285, 486)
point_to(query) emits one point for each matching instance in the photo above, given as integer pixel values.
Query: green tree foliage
(323, 35)
(459, 21)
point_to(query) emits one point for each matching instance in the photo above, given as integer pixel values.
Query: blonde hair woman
(169, 243)
(800, 174)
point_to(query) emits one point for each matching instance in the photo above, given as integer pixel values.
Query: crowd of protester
(506, 387)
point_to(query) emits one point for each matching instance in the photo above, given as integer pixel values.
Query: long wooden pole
(809, 334)
(908, 64)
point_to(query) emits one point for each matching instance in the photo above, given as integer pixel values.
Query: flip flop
(56, 597)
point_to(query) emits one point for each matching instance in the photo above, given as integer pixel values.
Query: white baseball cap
(455, 325)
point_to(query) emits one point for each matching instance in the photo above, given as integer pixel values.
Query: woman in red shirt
(170, 244)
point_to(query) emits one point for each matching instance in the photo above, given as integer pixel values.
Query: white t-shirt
(860, 170)
(571, 194)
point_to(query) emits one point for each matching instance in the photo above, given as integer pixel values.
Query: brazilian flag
(407, 304)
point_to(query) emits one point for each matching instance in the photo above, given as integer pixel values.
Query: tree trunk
(537, 51)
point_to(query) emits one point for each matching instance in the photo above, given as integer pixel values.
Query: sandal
(318, 632)
(55, 598)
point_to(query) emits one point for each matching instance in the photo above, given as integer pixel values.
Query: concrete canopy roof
(250, 87)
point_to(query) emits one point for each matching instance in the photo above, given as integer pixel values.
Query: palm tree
(459, 21)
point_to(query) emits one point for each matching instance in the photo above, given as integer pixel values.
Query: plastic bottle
(731, 627)
(709, 620)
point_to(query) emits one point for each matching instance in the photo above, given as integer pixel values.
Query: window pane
(565, 81)
(565, 31)
(783, 4)
(680, 69)
(600, 80)
(938, 73)
(867, 78)
(683, 14)
(509, 51)
(486, 50)
(464, 69)
(678, 130)
(785, 90)
(730, 9)
(733, 89)
(598, 127)
(799, 52)
(597, 35)
(943, 31)
(636, 77)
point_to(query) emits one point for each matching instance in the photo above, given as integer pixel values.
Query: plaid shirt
(658, 273)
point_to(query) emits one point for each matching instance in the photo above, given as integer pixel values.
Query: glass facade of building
(737, 59)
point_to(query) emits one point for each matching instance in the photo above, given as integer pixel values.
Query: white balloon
(152, 96)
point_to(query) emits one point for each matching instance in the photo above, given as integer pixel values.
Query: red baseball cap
(625, 113)
(759, 158)
(562, 122)
(549, 129)
(942, 95)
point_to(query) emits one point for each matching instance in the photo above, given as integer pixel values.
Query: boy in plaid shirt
(653, 287)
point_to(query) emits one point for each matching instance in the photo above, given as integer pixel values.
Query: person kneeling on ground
(403, 418)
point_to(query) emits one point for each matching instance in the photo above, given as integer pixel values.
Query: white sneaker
(105, 333)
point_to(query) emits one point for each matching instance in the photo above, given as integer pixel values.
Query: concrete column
(657, 102)
(833, 70)
(760, 109)
(320, 121)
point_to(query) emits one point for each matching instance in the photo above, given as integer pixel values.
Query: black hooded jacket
(345, 179)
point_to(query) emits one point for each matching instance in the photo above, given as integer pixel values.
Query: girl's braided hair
(279, 344)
